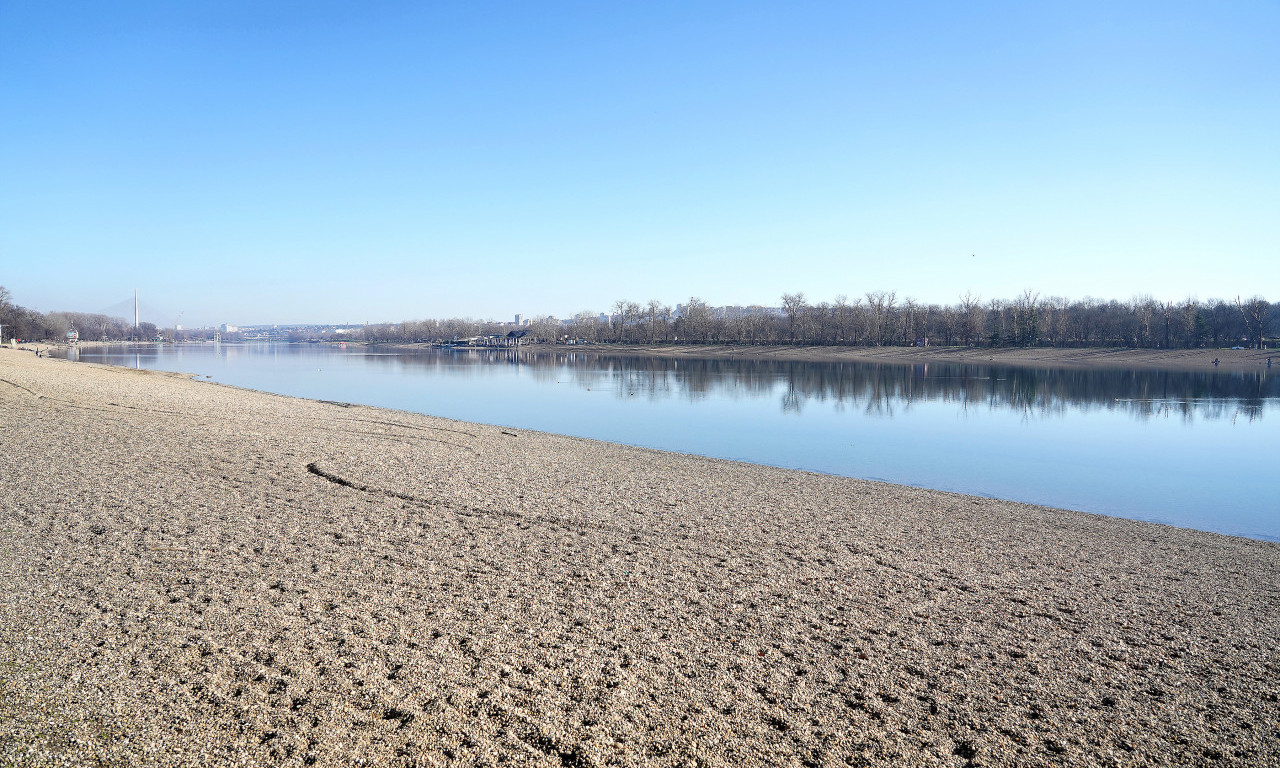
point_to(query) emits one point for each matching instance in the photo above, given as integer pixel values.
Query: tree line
(30, 325)
(877, 318)
(880, 318)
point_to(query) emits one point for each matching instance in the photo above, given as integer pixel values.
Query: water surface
(1187, 448)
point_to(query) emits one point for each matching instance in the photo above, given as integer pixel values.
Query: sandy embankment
(192, 574)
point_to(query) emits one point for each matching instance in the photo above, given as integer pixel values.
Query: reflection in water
(1189, 448)
(871, 388)
(877, 388)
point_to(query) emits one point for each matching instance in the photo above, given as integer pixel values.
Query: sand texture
(192, 574)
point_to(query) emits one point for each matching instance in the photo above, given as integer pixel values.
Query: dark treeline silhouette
(28, 324)
(878, 318)
(881, 319)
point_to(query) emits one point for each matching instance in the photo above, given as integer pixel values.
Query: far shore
(1036, 357)
(1238, 360)
(1215, 359)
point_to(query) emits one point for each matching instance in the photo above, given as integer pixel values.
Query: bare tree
(657, 318)
(1192, 323)
(971, 318)
(1256, 312)
(696, 321)
(1026, 318)
(842, 314)
(880, 304)
(910, 321)
(1167, 312)
(794, 306)
(1144, 311)
(586, 325)
(998, 322)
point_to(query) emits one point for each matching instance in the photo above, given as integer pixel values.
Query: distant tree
(1257, 314)
(1168, 318)
(1192, 323)
(1144, 311)
(880, 304)
(997, 323)
(696, 321)
(657, 319)
(1025, 310)
(842, 313)
(623, 319)
(914, 321)
(794, 306)
(586, 325)
(972, 318)
(1229, 321)
(949, 320)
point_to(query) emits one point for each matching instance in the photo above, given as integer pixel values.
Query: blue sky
(319, 161)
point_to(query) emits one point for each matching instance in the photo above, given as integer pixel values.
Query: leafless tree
(794, 306)
(1256, 312)
(1191, 323)
(696, 321)
(1144, 310)
(657, 320)
(881, 305)
(971, 318)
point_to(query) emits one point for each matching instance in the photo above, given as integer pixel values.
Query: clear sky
(257, 162)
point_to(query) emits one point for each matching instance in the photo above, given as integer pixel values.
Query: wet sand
(192, 574)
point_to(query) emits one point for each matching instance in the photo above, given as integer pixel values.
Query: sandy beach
(193, 574)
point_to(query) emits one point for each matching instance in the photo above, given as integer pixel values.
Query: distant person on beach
(1215, 362)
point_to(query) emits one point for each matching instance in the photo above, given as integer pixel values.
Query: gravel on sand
(192, 574)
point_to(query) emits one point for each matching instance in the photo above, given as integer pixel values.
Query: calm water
(1190, 449)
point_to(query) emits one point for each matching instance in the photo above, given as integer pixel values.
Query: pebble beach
(197, 575)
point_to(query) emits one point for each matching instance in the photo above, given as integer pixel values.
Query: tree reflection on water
(881, 389)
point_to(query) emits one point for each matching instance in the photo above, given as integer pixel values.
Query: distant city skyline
(249, 164)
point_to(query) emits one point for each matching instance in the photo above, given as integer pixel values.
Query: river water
(1191, 449)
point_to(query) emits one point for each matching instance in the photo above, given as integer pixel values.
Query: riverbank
(193, 574)
(1037, 357)
(1238, 360)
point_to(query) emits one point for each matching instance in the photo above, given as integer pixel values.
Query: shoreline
(1038, 357)
(205, 574)
(1084, 358)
